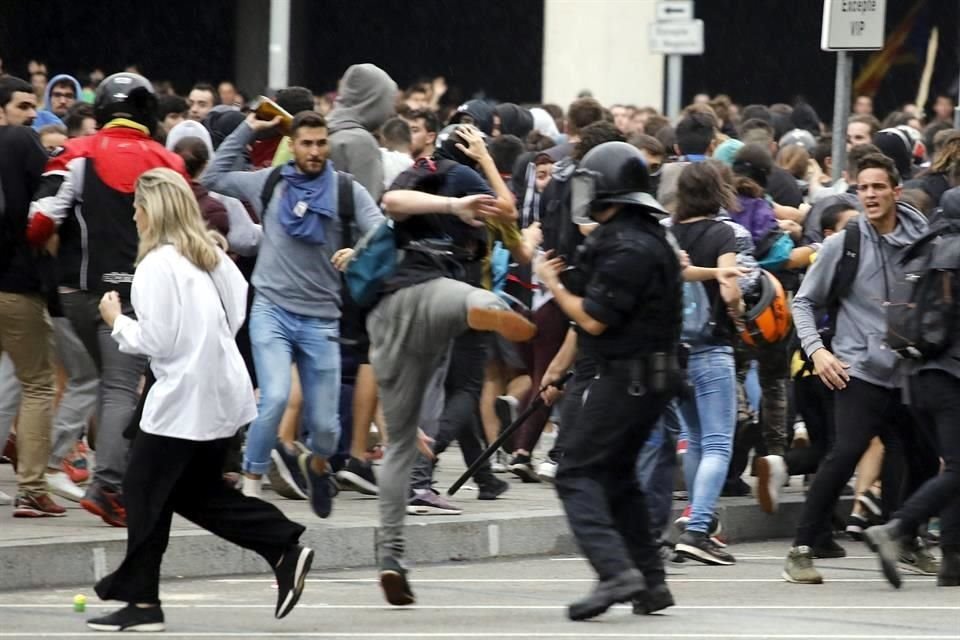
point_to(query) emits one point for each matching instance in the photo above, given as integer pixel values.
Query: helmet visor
(583, 191)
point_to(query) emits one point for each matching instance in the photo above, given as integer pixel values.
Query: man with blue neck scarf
(296, 309)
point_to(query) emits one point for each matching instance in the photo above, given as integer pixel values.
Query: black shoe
(289, 470)
(393, 581)
(949, 574)
(698, 546)
(130, 618)
(521, 467)
(358, 475)
(320, 486)
(492, 489)
(291, 575)
(884, 541)
(622, 588)
(656, 598)
(829, 548)
(735, 489)
(856, 525)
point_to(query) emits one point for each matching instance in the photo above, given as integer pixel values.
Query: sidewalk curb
(196, 554)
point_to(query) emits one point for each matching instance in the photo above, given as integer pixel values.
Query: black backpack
(923, 323)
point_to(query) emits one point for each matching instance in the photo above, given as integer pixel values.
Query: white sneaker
(5, 499)
(547, 470)
(252, 487)
(60, 484)
(771, 475)
(499, 464)
(801, 438)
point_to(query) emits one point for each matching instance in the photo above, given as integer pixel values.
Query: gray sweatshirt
(366, 100)
(861, 324)
(294, 275)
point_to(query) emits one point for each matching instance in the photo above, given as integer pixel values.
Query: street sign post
(668, 10)
(848, 25)
(675, 33)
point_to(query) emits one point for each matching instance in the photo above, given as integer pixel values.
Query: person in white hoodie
(190, 300)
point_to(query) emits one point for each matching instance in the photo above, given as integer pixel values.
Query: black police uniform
(633, 286)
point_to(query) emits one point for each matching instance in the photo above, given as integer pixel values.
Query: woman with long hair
(189, 300)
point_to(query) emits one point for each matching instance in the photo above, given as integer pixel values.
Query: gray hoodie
(861, 321)
(366, 100)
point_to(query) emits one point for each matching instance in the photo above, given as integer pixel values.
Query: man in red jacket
(86, 195)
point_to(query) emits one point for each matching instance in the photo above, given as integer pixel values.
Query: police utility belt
(660, 372)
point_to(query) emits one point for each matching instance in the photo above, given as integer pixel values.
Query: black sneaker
(856, 525)
(621, 588)
(130, 618)
(492, 489)
(698, 546)
(358, 475)
(319, 485)
(521, 467)
(655, 598)
(289, 470)
(828, 548)
(291, 575)
(393, 581)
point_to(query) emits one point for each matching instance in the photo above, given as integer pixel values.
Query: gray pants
(79, 397)
(410, 334)
(118, 392)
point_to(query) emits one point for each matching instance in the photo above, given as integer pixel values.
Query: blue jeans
(655, 468)
(710, 419)
(279, 338)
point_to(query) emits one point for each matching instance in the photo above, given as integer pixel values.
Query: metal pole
(674, 85)
(279, 44)
(841, 109)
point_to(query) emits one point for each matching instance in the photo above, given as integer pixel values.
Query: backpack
(699, 319)
(923, 324)
(377, 255)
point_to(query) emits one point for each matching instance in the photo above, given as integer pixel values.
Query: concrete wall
(600, 45)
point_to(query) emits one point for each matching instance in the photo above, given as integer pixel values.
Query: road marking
(739, 558)
(458, 607)
(544, 580)
(498, 634)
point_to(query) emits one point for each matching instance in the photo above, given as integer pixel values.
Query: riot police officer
(624, 296)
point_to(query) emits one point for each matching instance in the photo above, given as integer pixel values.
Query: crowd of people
(324, 292)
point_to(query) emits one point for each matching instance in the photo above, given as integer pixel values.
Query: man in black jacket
(25, 328)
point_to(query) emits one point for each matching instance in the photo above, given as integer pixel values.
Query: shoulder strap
(846, 271)
(345, 206)
(268, 188)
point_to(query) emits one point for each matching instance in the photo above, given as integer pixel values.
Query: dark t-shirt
(22, 162)
(470, 243)
(705, 241)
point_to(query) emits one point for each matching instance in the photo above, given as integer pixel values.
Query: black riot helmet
(613, 172)
(126, 95)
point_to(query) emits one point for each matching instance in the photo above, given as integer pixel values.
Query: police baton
(509, 431)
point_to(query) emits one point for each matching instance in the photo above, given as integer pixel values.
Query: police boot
(949, 575)
(623, 587)
(655, 598)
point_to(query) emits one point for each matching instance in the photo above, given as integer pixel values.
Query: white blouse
(186, 323)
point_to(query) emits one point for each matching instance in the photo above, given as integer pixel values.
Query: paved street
(526, 599)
